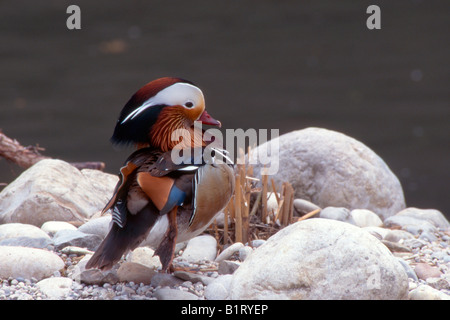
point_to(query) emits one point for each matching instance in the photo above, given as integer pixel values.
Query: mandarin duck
(157, 200)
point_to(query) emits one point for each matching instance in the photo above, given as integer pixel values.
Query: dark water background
(261, 64)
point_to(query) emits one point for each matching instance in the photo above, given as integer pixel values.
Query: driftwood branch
(25, 157)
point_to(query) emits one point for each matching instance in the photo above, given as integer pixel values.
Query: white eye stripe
(179, 93)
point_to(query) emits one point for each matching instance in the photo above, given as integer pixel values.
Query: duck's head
(158, 109)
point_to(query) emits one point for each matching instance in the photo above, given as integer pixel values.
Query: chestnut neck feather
(169, 120)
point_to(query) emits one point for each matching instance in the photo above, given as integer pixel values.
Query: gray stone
(192, 277)
(15, 230)
(329, 168)
(219, 288)
(398, 235)
(228, 267)
(425, 292)
(98, 225)
(320, 259)
(425, 271)
(135, 272)
(412, 225)
(303, 206)
(39, 243)
(414, 243)
(435, 217)
(55, 190)
(55, 288)
(365, 218)
(165, 280)
(257, 242)
(409, 271)
(428, 236)
(244, 252)
(339, 214)
(174, 294)
(202, 247)
(93, 276)
(228, 252)
(28, 263)
(377, 232)
(64, 238)
(52, 227)
(145, 256)
(395, 247)
(438, 283)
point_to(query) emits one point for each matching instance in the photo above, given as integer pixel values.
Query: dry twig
(25, 157)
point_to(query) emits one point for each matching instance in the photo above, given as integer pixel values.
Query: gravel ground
(434, 254)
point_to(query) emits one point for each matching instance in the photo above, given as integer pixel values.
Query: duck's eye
(189, 104)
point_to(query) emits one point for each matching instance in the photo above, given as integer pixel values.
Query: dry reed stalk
(287, 210)
(264, 198)
(308, 215)
(226, 213)
(274, 189)
(237, 209)
(246, 209)
(242, 224)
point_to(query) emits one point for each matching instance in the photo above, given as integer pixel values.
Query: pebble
(424, 292)
(228, 267)
(411, 224)
(56, 287)
(52, 227)
(425, 271)
(303, 206)
(165, 280)
(135, 272)
(66, 237)
(365, 218)
(219, 288)
(335, 213)
(228, 252)
(145, 256)
(174, 294)
(244, 252)
(28, 262)
(15, 230)
(193, 277)
(199, 248)
(99, 226)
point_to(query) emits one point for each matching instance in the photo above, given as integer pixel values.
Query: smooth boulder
(320, 259)
(55, 190)
(329, 168)
(28, 263)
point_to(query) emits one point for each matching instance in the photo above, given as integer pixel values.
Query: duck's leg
(166, 248)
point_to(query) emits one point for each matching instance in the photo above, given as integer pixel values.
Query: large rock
(28, 263)
(55, 190)
(331, 169)
(320, 259)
